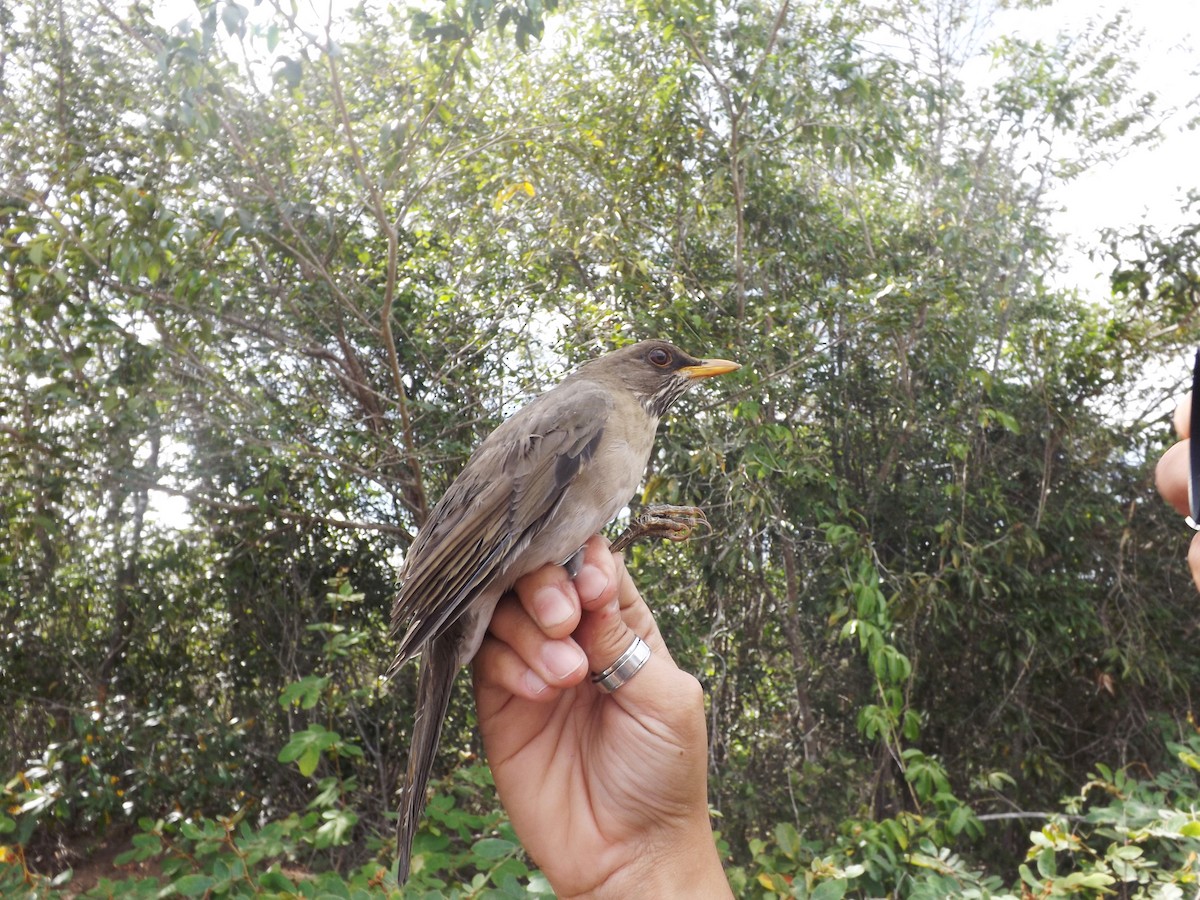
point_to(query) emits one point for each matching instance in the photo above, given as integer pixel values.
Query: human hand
(1171, 476)
(607, 792)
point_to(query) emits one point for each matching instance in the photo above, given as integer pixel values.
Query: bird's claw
(672, 523)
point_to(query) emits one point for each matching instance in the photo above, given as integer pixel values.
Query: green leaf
(233, 17)
(289, 71)
(1189, 759)
(336, 827)
(494, 848)
(830, 890)
(306, 692)
(788, 839)
(193, 885)
(1085, 880)
(305, 748)
(274, 880)
(1028, 877)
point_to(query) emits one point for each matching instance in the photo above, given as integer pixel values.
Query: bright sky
(1149, 184)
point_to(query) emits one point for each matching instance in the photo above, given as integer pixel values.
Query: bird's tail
(439, 665)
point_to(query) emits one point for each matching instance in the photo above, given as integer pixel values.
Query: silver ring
(627, 665)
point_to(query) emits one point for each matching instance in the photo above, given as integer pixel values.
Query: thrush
(532, 493)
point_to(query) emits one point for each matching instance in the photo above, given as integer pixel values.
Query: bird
(532, 493)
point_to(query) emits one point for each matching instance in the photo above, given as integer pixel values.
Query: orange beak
(710, 367)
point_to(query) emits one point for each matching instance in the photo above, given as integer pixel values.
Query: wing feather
(505, 495)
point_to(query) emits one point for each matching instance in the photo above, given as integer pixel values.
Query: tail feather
(439, 665)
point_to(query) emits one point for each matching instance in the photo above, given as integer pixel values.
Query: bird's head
(657, 373)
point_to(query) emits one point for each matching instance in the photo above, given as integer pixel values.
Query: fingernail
(534, 683)
(562, 659)
(591, 582)
(552, 607)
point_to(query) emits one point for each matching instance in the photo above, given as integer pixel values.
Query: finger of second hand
(1194, 559)
(1171, 476)
(1182, 419)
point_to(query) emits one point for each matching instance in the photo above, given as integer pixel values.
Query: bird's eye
(659, 357)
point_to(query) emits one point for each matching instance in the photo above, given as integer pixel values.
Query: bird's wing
(501, 500)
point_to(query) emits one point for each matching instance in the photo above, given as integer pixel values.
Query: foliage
(1139, 836)
(287, 273)
(232, 857)
(1120, 834)
(1160, 273)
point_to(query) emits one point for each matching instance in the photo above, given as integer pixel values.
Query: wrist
(684, 864)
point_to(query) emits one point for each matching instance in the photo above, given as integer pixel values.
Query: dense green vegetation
(292, 273)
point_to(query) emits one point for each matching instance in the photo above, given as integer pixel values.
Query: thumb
(659, 695)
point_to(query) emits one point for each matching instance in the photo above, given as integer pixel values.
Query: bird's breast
(601, 490)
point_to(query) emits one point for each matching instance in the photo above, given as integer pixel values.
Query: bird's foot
(673, 523)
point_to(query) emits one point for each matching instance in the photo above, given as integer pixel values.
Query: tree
(293, 271)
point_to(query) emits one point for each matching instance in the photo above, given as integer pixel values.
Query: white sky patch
(169, 511)
(166, 509)
(1149, 183)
